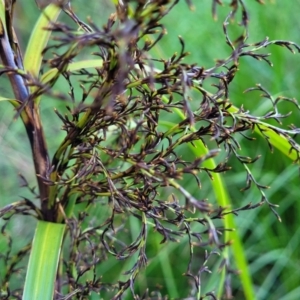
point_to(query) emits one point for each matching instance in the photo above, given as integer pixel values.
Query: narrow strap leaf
(39, 39)
(43, 261)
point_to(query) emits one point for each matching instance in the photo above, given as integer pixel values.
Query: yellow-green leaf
(39, 39)
(43, 261)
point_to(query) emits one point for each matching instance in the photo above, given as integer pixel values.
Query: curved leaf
(74, 66)
(39, 39)
(277, 140)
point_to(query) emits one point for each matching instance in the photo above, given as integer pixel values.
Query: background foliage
(271, 246)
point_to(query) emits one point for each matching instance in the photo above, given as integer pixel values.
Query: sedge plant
(137, 127)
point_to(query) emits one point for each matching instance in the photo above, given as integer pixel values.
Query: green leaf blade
(223, 200)
(43, 261)
(39, 39)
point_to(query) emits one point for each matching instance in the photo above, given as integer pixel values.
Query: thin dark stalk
(28, 112)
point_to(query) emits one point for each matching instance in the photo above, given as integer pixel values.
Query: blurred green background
(272, 248)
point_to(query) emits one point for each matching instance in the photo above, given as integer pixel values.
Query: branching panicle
(123, 143)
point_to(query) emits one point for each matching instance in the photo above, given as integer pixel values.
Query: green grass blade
(2, 12)
(74, 66)
(9, 100)
(43, 261)
(229, 223)
(39, 39)
(278, 141)
(223, 199)
(282, 260)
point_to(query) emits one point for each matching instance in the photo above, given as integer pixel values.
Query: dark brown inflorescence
(126, 124)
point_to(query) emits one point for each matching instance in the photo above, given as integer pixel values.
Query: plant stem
(28, 111)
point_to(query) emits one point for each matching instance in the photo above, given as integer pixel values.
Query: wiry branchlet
(123, 151)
